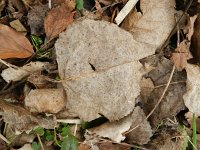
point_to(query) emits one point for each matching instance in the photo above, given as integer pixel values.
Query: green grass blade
(194, 133)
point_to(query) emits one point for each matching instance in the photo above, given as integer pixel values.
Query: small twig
(8, 64)
(40, 142)
(170, 84)
(75, 130)
(163, 94)
(111, 5)
(69, 121)
(126, 144)
(4, 139)
(125, 10)
(49, 4)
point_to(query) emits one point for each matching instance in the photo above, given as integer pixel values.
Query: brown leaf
(58, 19)
(181, 56)
(180, 60)
(83, 147)
(13, 44)
(111, 146)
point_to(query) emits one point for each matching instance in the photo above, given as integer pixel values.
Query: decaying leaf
(13, 74)
(111, 146)
(21, 119)
(182, 54)
(99, 63)
(147, 87)
(59, 18)
(36, 19)
(172, 103)
(142, 134)
(114, 130)
(45, 100)
(152, 23)
(191, 97)
(13, 44)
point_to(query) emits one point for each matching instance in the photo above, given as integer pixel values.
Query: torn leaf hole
(92, 66)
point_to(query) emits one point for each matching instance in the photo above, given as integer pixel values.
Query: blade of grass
(194, 133)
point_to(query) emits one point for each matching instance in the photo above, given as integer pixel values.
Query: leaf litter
(103, 72)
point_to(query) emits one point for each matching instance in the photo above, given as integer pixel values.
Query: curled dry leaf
(99, 63)
(45, 100)
(59, 18)
(152, 23)
(13, 44)
(13, 74)
(191, 97)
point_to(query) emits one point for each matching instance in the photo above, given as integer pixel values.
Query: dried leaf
(21, 119)
(114, 130)
(143, 133)
(17, 25)
(180, 60)
(12, 74)
(191, 97)
(111, 146)
(58, 19)
(36, 19)
(181, 56)
(172, 103)
(83, 147)
(45, 100)
(100, 70)
(13, 44)
(190, 27)
(152, 23)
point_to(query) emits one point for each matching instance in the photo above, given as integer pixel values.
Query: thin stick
(8, 64)
(125, 11)
(40, 142)
(111, 5)
(172, 83)
(49, 4)
(4, 139)
(163, 94)
(75, 130)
